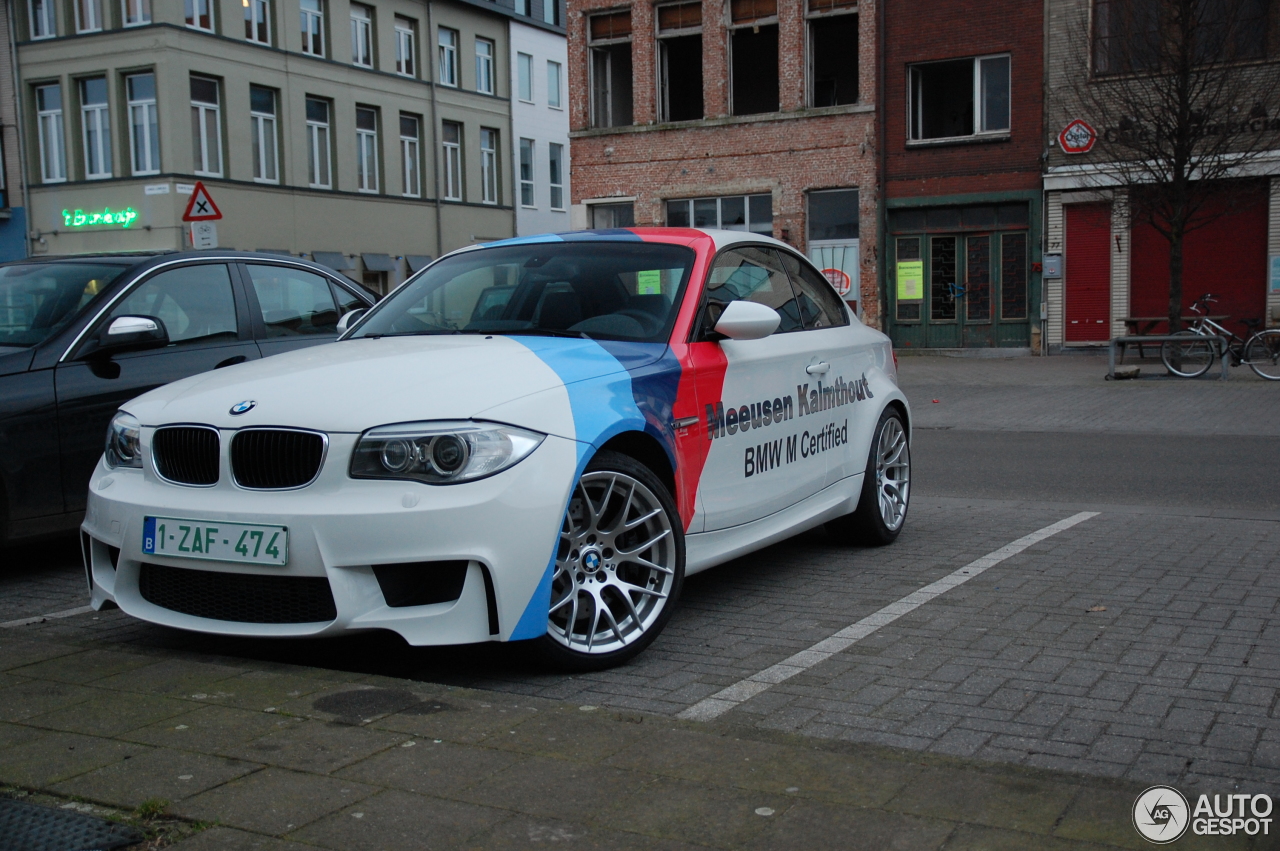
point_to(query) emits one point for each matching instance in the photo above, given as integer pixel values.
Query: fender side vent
(421, 583)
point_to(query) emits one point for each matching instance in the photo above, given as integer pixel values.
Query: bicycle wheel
(1263, 354)
(1187, 359)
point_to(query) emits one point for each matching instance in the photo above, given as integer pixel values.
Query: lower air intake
(238, 597)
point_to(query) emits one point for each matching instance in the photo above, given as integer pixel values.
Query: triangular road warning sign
(201, 207)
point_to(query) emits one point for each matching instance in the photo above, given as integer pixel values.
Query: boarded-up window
(679, 17)
(831, 5)
(606, 27)
(746, 11)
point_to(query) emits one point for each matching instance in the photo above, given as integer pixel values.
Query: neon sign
(81, 219)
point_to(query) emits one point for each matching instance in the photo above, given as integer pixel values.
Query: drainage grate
(30, 827)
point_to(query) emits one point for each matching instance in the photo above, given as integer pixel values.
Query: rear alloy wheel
(619, 566)
(886, 488)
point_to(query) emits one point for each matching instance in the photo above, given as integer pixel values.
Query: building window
(451, 142)
(605, 216)
(319, 175)
(752, 213)
(1127, 33)
(366, 149)
(257, 21)
(554, 86)
(551, 12)
(206, 127)
(526, 172)
(200, 14)
(410, 156)
(406, 47)
(448, 46)
(833, 215)
(680, 62)
(361, 35)
(522, 7)
(833, 52)
(144, 129)
(43, 22)
(262, 120)
(753, 65)
(609, 40)
(135, 12)
(489, 165)
(312, 27)
(963, 97)
(88, 16)
(555, 167)
(95, 122)
(484, 66)
(524, 77)
(53, 154)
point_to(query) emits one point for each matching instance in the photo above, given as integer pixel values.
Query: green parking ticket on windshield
(649, 282)
(215, 541)
(910, 280)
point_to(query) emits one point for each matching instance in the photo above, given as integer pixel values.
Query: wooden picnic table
(1141, 326)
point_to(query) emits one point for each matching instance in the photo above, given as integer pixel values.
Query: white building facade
(539, 128)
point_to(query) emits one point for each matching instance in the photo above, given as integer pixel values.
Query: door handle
(232, 361)
(820, 368)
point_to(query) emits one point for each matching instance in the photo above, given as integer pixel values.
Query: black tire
(596, 564)
(889, 473)
(1190, 358)
(1263, 354)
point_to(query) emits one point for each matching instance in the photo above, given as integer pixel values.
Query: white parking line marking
(722, 701)
(65, 613)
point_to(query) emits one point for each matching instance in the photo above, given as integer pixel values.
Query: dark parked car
(81, 335)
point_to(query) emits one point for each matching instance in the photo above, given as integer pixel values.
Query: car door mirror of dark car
(349, 319)
(133, 332)
(747, 320)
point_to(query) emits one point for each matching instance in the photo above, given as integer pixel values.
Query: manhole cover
(29, 827)
(357, 705)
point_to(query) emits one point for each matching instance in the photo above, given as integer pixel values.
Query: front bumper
(505, 526)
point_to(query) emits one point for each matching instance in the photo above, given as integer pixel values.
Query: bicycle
(1261, 351)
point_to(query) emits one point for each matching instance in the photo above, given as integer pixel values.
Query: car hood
(358, 384)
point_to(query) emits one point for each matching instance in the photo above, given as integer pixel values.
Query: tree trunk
(1175, 279)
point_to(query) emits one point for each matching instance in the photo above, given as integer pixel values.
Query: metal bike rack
(1122, 342)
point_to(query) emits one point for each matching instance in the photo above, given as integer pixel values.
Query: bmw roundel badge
(242, 407)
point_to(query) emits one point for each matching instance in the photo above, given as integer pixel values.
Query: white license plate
(209, 539)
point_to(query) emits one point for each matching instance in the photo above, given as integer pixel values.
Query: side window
(819, 305)
(753, 274)
(293, 302)
(347, 300)
(196, 303)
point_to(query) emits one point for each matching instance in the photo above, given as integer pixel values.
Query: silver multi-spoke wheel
(893, 474)
(615, 567)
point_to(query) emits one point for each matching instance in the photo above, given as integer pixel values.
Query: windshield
(602, 290)
(37, 300)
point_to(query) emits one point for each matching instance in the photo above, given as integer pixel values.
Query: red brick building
(962, 157)
(753, 115)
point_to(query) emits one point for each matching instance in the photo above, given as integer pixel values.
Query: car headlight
(124, 446)
(440, 453)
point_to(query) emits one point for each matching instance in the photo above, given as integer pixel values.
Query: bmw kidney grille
(187, 455)
(276, 459)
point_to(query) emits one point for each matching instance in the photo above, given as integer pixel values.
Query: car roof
(719, 238)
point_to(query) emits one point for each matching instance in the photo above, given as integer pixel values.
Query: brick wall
(786, 153)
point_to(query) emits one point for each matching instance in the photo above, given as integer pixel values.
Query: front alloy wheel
(619, 566)
(886, 488)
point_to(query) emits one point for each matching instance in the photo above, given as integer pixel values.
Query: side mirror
(747, 320)
(132, 332)
(349, 319)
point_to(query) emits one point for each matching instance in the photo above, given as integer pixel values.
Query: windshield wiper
(547, 332)
(442, 331)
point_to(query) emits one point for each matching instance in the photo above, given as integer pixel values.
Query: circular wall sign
(839, 279)
(1077, 138)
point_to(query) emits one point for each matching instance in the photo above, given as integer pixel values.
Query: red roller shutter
(1087, 281)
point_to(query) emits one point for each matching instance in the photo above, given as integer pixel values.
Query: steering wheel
(651, 324)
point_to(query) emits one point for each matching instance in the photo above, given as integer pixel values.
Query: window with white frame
(144, 128)
(524, 77)
(554, 85)
(752, 213)
(489, 165)
(312, 27)
(53, 152)
(257, 21)
(406, 47)
(555, 170)
(609, 48)
(135, 13)
(206, 127)
(88, 16)
(319, 174)
(451, 142)
(410, 155)
(95, 124)
(958, 98)
(200, 14)
(526, 172)
(448, 52)
(43, 19)
(484, 66)
(361, 35)
(263, 129)
(366, 149)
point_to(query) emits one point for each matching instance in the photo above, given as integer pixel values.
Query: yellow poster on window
(910, 280)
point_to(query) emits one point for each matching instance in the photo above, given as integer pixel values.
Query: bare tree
(1181, 91)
